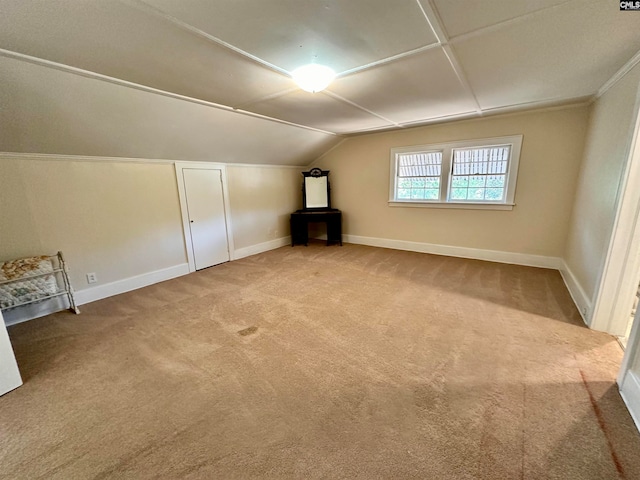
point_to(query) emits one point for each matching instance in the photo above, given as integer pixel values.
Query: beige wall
(262, 198)
(604, 161)
(113, 218)
(122, 219)
(549, 164)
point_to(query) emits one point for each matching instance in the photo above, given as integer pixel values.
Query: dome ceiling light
(313, 78)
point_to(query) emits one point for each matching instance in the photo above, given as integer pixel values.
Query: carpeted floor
(322, 362)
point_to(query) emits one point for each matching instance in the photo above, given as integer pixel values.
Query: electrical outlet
(92, 277)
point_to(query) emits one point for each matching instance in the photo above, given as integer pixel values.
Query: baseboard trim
(261, 247)
(580, 298)
(463, 252)
(99, 292)
(630, 393)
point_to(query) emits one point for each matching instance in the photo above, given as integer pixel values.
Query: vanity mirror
(316, 208)
(316, 192)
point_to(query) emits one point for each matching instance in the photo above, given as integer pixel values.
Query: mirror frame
(315, 172)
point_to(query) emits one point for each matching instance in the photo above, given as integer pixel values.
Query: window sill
(458, 205)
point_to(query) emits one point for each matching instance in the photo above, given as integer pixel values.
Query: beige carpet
(322, 362)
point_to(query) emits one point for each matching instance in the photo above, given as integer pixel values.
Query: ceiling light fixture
(313, 78)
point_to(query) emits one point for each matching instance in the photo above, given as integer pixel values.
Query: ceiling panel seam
(434, 23)
(432, 16)
(353, 104)
(390, 59)
(145, 7)
(145, 88)
(504, 23)
(462, 77)
(267, 97)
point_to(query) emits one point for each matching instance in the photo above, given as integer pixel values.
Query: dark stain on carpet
(248, 331)
(603, 426)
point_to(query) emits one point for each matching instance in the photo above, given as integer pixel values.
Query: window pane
(477, 181)
(460, 182)
(419, 175)
(482, 170)
(404, 193)
(417, 193)
(419, 164)
(459, 194)
(495, 181)
(476, 194)
(432, 182)
(494, 193)
(431, 194)
(418, 182)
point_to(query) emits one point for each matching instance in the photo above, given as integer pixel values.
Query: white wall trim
(99, 292)
(89, 158)
(261, 247)
(78, 158)
(263, 165)
(619, 75)
(630, 393)
(463, 252)
(579, 296)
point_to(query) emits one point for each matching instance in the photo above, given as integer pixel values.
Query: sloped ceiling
(401, 63)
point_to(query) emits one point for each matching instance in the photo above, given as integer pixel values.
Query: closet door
(9, 374)
(205, 205)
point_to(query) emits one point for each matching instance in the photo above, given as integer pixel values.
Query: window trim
(515, 141)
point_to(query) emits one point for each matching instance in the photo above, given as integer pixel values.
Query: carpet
(317, 362)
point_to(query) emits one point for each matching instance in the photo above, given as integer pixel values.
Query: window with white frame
(466, 174)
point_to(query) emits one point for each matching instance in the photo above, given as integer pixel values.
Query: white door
(205, 207)
(9, 374)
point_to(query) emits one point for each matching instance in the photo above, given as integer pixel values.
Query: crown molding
(626, 68)
(472, 116)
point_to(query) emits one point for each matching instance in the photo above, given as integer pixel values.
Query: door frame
(628, 381)
(10, 378)
(182, 194)
(620, 273)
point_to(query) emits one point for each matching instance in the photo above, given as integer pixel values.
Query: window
(466, 174)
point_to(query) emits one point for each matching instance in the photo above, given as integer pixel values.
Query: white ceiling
(400, 62)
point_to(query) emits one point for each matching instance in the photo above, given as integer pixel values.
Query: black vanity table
(316, 199)
(301, 219)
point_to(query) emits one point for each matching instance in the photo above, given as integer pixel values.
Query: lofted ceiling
(400, 63)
